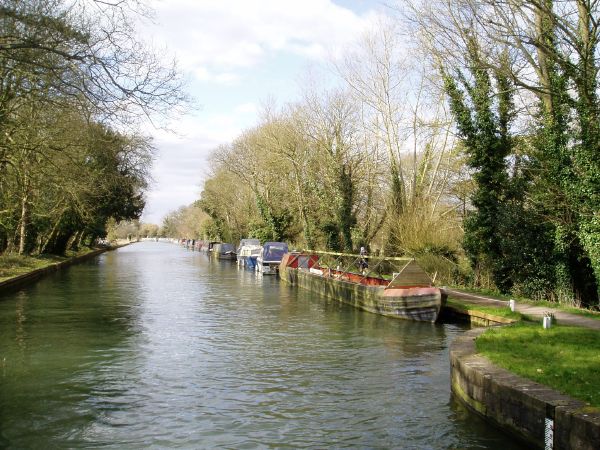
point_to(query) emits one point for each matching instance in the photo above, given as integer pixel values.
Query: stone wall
(472, 317)
(522, 407)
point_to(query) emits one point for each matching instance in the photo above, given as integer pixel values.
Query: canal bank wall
(536, 414)
(28, 278)
(476, 318)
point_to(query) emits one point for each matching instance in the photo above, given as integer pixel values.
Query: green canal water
(154, 346)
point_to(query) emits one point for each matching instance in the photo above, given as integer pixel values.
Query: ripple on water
(153, 346)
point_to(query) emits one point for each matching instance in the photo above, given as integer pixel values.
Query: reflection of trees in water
(59, 336)
(67, 312)
(21, 318)
(399, 336)
(115, 349)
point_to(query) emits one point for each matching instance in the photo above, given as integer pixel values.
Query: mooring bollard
(511, 305)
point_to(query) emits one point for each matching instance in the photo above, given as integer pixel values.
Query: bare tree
(87, 51)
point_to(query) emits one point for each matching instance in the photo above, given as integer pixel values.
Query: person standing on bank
(362, 263)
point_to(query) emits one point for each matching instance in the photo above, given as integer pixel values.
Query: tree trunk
(544, 38)
(51, 236)
(24, 221)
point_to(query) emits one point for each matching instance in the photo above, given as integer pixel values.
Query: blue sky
(238, 54)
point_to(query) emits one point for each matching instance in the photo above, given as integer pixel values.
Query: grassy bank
(12, 265)
(564, 358)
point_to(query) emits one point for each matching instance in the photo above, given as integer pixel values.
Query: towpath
(563, 318)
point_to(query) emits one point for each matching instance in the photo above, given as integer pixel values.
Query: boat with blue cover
(270, 256)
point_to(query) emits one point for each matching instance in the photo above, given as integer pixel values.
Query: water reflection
(153, 345)
(21, 317)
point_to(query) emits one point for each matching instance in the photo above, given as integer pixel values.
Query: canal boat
(270, 256)
(406, 294)
(208, 246)
(224, 250)
(247, 252)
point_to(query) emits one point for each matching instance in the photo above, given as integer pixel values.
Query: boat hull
(225, 256)
(412, 303)
(248, 262)
(267, 268)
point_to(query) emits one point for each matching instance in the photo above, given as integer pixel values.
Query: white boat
(248, 252)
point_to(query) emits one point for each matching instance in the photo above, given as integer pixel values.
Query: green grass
(12, 265)
(501, 312)
(566, 359)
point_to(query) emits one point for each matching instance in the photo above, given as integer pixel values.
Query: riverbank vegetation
(131, 229)
(465, 134)
(75, 85)
(13, 264)
(564, 358)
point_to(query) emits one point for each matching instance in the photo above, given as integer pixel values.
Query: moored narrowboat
(208, 246)
(405, 294)
(224, 250)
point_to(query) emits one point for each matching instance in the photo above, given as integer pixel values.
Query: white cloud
(182, 158)
(225, 78)
(237, 53)
(246, 108)
(220, 36)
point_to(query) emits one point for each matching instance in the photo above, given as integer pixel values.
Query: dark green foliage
(346, 216)
(339, 216)
(483, 117)
(525, 265)
(331, 231)
(534, 226)
(276, 222)
(504, 234)
(567, 186)
(215, 228)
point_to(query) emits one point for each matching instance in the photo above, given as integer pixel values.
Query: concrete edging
(518, 405)
(473, 317)
(27, 278)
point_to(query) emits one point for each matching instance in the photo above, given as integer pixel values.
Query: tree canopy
(74, 82)
(465, 134)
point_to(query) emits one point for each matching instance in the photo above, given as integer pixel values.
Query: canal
(156, 346)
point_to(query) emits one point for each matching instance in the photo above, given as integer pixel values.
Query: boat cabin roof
(249, 242)
(274, 251)
(224, 248)
(249, 250)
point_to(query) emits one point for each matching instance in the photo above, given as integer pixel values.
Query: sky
(238, 55)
